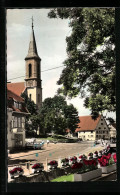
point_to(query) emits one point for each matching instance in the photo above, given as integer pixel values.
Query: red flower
(15, 170)
(104, 160)
(53, 162)
(115, 158)
(37, 165)
(77, 166)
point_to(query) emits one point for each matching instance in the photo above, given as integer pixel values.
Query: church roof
(32, 51)
(16, 88)
(87, 123)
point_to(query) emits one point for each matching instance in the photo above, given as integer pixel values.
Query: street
(50, 152)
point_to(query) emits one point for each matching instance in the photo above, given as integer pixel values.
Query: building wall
(87, 135)
(15, 132)
(33, 92)
(112, 131)
(9, 134)
(102, 130)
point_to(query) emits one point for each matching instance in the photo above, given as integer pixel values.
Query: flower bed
(108, 169)
(37, 167)
(88, 175)
(86, 170)
(107, 163)
(17, 171)
(65, 162)
(72, 160)
(90, 156)
(52, 164)
(82, 157)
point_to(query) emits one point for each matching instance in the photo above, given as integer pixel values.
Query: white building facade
(90, 129)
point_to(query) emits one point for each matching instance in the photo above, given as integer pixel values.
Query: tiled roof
(87, 123)
(16, 88)
(11, 94)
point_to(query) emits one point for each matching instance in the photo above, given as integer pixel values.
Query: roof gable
(16, 88)
(87, 123)
(11, 94)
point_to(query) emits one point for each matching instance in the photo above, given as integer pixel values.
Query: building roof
(14, 96)
(87, 123)
(32, 51)
(16, 88)
(11, 95)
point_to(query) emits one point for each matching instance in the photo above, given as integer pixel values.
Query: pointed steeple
(32, 51)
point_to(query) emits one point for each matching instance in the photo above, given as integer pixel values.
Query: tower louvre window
(30, 96)
(30, 70)
(38, 97)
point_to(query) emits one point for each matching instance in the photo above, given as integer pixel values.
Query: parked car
(33, 144)
(38, 145)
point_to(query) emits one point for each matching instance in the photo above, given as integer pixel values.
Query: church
(16, 109)
(33, 83)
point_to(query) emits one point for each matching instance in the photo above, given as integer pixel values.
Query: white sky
(50, 35)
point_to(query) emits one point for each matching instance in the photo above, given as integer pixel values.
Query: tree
(31, 106)
(34, 117)
(58, 116)
(90, 65)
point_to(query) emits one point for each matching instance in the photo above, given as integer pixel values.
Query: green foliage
(58, 116)
(89, 71)
(35, 118)
(31, 106)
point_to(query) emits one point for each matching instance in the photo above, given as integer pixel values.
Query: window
(38, 70)
(91, 135)
(104, 127)
(101, 123)
(30, 70)
(15, 122)
(20, 105)
(91, 131)
(30, 96)
(19, 122)
(38, 97)
(99, 127)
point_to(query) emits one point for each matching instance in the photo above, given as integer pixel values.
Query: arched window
(30, 70)
(30, 96)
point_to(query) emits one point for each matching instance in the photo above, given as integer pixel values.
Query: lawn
(64, 178)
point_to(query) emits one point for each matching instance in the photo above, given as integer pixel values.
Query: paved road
(51, 152)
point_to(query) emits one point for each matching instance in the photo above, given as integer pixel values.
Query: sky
(50, 35)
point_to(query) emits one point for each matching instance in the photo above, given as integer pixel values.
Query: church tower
(33, 72)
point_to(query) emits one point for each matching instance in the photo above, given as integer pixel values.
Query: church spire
(32, 51)
(32, 22)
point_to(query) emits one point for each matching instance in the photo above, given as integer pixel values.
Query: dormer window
(20, 105)
(15, 104)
